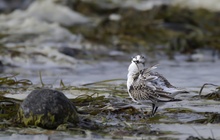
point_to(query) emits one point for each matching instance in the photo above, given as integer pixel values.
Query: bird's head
(139, 60)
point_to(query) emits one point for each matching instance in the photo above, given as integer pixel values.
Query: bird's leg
(154, 109)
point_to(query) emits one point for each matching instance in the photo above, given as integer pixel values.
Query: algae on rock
(47, 109)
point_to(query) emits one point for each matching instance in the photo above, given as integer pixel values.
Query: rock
(212, 5)
(40, 31)
(1, 66)
(47, 108)
(42, 17)
(52, 12)
(9, 5)
(73, 52)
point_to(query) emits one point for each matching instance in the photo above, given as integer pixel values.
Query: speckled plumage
(162, 80)
(141, 88)
(141, 92)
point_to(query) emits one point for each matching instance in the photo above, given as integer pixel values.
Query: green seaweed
(198, 138)
(12, 81)
(43, 120)
(211, 96)
(102, 82)
(101, 113)
(213, 118)
(8, 108)
(42, 83)
(179, 110)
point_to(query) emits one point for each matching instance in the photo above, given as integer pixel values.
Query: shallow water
(188, 75)
(183, 131)
(183, 74)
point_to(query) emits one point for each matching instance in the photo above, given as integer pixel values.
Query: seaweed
(102, 82)
(8, 108)
(213, 95)
(198, 138)
(179, 110)
(104, 108)
(12, 81)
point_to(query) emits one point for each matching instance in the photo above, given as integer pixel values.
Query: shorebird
(146, 87)
(161, 83)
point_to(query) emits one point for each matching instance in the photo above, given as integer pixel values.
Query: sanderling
(142, 88)
(161, 83)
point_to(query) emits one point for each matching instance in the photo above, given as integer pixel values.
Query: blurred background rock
(34, 31)
(10, 5)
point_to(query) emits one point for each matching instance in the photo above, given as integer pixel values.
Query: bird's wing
(145, 74)
(162, 79)
(147, 71)
(162, 96)
(141, 92)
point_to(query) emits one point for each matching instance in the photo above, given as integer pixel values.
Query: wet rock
(47, 109)
(52, 12)
(49, 11)
(39, 32)
(41, 17)
(1, 66)
(73, 52)
(95, 7)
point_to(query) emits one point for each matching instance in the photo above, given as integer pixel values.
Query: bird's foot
(150, 115)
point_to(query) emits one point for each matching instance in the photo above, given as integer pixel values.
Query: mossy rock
(47, 108)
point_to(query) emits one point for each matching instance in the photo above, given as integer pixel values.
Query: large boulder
(47, 108)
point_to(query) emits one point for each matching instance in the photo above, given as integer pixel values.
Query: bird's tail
(171, 100)
(174, 92)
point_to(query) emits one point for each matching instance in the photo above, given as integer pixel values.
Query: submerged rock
(47, 109)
